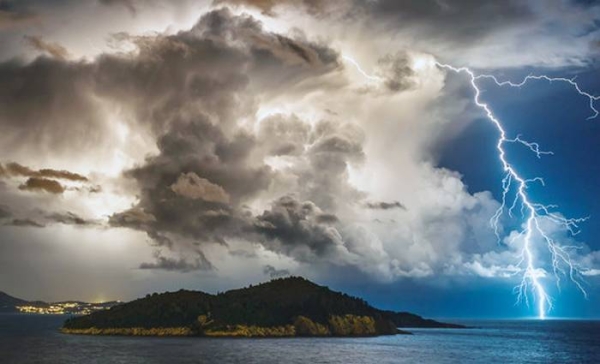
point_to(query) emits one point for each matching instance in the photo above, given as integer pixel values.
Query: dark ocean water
(35, 339)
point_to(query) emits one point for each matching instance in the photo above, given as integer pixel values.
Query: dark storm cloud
(385, 205)
(189, 90)
(136, 218)
(37, 184)
(16, 169)
(47, 102)
(197, 184)
(272, 272)
(207, 68)
(54, 49)
(295, 229)
(199, 262)
(198, 147)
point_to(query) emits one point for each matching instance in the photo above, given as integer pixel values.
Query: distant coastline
(10, 304)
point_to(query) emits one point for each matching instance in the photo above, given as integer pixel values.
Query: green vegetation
(280, 308)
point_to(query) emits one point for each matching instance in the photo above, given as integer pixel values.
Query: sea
(36, 339)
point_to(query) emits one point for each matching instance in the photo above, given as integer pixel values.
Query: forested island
(286, 307)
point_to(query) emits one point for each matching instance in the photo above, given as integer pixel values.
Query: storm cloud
(235, 138)
(295, 228)
(207, 169)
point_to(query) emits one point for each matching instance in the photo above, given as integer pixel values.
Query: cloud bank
(240, 134)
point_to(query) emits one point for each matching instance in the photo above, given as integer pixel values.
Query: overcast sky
(150, 145)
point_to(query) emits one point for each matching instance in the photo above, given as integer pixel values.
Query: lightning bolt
(533, 212)
(514, 192)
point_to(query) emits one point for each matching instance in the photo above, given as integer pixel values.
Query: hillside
(8, 303)
(282, 307)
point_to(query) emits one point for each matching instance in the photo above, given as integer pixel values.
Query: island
(284, 307)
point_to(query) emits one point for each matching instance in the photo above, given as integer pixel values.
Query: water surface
(35, 339)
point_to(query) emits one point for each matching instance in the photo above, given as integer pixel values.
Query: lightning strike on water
(532, 211)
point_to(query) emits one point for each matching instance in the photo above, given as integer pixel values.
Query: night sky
(150, 145)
